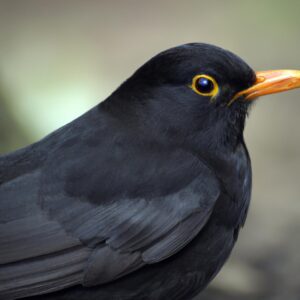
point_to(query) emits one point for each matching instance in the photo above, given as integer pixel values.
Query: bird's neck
(223, 134)
(224, 130)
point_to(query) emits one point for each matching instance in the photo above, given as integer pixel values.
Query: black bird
(143, 196)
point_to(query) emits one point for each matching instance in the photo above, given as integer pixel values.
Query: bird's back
(26, 232)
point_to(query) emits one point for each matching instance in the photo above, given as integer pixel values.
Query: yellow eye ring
(205, 85)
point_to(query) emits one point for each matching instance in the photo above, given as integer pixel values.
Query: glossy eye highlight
(205, 85)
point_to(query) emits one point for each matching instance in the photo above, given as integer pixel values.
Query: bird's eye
(205, 85)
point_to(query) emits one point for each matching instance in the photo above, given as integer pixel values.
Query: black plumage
(141, 197)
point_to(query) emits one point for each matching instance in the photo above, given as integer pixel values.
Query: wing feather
(72, 222)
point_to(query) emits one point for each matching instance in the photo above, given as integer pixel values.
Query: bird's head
(196, 92)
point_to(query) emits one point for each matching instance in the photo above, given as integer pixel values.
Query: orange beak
(271, 82)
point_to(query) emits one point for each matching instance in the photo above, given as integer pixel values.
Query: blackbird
(143, 196)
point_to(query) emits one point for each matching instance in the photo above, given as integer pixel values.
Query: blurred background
(60, 58)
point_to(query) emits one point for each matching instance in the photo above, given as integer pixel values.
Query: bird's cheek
(223, 97)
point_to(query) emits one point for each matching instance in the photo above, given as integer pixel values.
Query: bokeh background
(59, 58)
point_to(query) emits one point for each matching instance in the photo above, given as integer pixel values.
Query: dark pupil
(205, 85)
